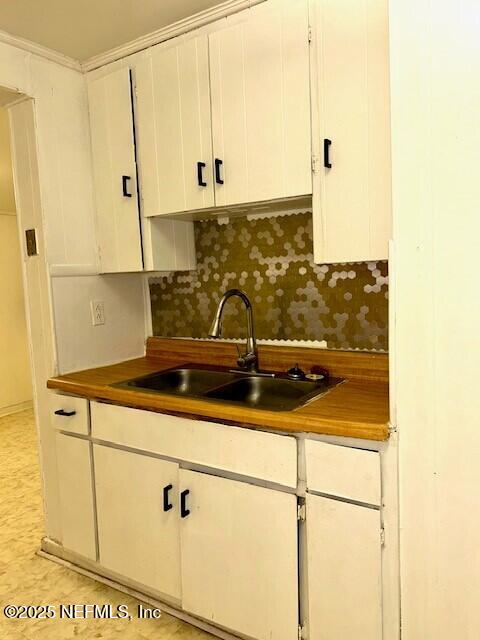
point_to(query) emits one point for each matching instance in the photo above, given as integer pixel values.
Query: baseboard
(15, 408)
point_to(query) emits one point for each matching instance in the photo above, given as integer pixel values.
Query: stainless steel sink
(273, 393)
(184, 381)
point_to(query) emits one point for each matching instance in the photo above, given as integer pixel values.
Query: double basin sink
(272, 393)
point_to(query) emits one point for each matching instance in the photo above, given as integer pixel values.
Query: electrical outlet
(97, 308)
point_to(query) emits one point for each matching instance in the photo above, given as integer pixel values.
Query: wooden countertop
(357, 408)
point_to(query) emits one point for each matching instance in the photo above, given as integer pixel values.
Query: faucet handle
(295, 373)
(246, 360)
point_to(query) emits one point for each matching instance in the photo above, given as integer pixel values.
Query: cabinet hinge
(301, 633)
(301, 512)
(315, 163)
(309, 34)
(382, 536)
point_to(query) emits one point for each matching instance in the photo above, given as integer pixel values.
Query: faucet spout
(249, 360)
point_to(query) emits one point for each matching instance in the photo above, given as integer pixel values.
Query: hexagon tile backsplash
(293, 298)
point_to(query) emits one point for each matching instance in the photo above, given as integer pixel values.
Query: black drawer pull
(125, 192)
(184, 512)
(200, 167)
(218, 166)
(326, 153)
(65, 414)
(167, 505)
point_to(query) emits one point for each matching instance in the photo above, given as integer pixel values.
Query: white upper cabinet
(127, 241)
(174, 127)
(115, 174)
(351, 130)
(261, 104)
(243, 83)
(237, 113)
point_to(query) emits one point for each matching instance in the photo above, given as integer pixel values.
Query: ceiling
(85, 28)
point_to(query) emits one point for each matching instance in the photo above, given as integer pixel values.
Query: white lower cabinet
(227, 550)
(137, 513)
(76, 502)
(344, 570)
(239, 556)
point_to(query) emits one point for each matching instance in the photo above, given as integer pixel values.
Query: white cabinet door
(344, 570)
(114, 169)
(239, 556)
(75, 487)
(174, 132)
(351, 109)
(261, 104)
(138, 534)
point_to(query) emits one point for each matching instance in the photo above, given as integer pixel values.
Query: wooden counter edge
(201, 410)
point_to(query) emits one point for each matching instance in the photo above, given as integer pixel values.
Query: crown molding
(39, 50)
(166, 33)
(173, 30)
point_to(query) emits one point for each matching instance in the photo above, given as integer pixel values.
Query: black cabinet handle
(167, 505)
(66, 414)
(218, 165)
(125, 180)
(326, 153)
(184, 512)
(200, 167)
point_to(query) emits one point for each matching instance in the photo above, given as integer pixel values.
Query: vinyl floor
(27, 579)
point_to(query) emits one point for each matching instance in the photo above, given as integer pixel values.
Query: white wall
(435, 71)
(124, 320)
(15, 377)
(7, 199)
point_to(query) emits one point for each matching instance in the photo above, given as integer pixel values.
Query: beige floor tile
(27, 579)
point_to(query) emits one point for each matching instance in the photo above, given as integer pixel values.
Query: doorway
(22, 132)
(15, 370)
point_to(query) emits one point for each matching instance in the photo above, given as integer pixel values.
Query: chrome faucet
(248, 360)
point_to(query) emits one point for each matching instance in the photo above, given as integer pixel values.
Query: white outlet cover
(97, 308)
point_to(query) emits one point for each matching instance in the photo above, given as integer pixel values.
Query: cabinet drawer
(254, 454)
(343, 471)
(70, 414)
